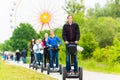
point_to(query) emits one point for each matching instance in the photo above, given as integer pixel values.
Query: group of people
(15, 56)
(38, 48)
(19, 55)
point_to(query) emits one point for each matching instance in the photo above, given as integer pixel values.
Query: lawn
(10, 72)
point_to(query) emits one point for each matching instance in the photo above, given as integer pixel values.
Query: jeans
(37, 58)
(68, 64)
(24, 59)
(53, 56)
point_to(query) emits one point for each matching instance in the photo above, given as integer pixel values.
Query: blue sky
(5, 8)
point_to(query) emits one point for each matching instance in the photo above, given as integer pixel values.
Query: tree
(112, 8)
(22, 35)
(105, 29)
(74, 6)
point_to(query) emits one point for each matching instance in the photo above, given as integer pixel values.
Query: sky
(5, 11)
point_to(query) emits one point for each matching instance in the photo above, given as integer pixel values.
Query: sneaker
(51, 69)
(68, 72)
(56, 69)
(76, 72)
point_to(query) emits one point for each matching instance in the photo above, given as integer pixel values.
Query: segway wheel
(42, 68)
(60, 68)
(48, 69)
(80, 73)
(64, 73)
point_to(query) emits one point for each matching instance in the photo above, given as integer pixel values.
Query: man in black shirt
(71, 33)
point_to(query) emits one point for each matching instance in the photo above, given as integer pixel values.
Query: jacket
(75, 32)
(53, 42)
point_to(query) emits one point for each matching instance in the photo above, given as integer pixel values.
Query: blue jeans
(37, 58)
(24, 59)
(53, 55)
(68, 65)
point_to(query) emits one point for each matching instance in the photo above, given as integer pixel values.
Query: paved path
(86, 74)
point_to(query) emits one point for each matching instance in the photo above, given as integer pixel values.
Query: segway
(43, 67)
(72, 48)
(54, 70)
(31, 64)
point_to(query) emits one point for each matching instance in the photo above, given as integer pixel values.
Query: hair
(69, 16)
(31, 42)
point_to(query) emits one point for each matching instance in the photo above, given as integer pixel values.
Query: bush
(89, 44)
(109, 54)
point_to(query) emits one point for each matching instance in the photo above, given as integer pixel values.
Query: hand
(58, 45)
(76, 42)
(66, 42)
(50, 45)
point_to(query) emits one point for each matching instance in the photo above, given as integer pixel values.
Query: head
(17, 50)
(36, 41)
(39, 40)
(46, 35)
(33, 41)
(70, 19)
(51, 32)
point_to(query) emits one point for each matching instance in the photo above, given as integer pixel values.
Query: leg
(48, 56)
(67, 59)
(75, 63)
(45, 57)
(35, 56)
(51, 59)
(32, 58)
(38, 58)
(56, 56)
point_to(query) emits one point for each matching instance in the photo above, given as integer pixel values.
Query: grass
(92, 65)
(10, 72)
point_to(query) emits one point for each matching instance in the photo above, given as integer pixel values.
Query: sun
(45, 18)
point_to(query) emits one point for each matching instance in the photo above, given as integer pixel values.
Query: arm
(59, 41)
(48, 42)
(77, 33)
(64, 34)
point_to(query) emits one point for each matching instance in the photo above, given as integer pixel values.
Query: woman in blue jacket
(53, 42)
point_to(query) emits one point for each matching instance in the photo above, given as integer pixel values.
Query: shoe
(68, 72)
(76, 72)
(72, 72)
(51, 69)
(56, 69)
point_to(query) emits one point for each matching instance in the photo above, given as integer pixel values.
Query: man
(53, 42)
(71, 33)
(24, 54)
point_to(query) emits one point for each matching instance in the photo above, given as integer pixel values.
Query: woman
(46, 51)
(31, 50)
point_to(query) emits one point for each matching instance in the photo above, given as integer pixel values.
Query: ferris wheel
(41, 14)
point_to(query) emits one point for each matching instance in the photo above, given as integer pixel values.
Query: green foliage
(1, 47)
(109, 54)
(79, 18)
(20, 37)
(112, 8)
(88, 43)
(73, 6)
(105, 29)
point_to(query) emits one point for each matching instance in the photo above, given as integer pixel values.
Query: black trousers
(32, 57)
(46, 56)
